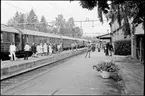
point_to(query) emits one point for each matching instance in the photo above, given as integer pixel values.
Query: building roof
(104, 36)
(139, 30)
(6, 28)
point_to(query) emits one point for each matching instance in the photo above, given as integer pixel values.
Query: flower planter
(105, 74)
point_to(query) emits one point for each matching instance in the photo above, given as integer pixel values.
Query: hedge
(122, 47)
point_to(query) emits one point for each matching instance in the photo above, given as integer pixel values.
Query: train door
(18, 41)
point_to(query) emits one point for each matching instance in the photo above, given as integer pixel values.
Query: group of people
(108, 49)
(37, 50)
(43, 49)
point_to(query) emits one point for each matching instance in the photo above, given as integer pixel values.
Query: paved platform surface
(9, 63)
(74, 77)
(133, 75)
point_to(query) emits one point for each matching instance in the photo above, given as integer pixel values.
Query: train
(21, 36)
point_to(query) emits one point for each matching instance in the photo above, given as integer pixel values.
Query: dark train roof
(5, 28)
(37, 33)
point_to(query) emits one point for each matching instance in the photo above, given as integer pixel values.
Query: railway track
(18, 79)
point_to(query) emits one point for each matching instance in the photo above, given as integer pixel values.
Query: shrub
(122, 47)
(106, 66)
(109, 67)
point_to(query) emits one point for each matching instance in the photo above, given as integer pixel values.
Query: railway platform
(11, 68)
(73, 77)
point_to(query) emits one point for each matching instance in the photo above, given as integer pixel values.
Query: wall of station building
(117, 31)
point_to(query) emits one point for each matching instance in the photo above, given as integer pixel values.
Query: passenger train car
(21, 36)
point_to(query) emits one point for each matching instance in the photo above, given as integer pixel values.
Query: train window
(13, 37)
(27, 38)
(1, 37)
(31, 39)
(8, 37)
(45, 40)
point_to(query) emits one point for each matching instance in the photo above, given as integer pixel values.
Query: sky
(51, 9)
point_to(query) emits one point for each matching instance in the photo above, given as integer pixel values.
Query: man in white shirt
(12, 51)
(27, 50)
(50, 49)
(89, 48)
(45, 49)
(38, 50)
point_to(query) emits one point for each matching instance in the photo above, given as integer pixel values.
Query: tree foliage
(118, 10)
(30, 21)
(43, 25)
(67, 28)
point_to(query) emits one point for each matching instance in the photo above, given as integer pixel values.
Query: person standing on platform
(93, 47)
(41, 49)
(50, 49)
(106, 49)
(38, 50)
(89, 48)
(99, 47)
(59, 46)
(110, 48)
(33, 48)
(12, 51)
(27, 50)
(76, 47)
(45, 49)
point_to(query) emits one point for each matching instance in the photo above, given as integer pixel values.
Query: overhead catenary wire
(15, 6)
(60, 8)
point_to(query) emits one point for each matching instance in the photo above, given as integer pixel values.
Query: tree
(70, 25)
(14, 21)
(60, 24)
(78, 32)
(21, 21)
(67, 28)
(10, 22)
(17, 21)
(59, 21)
(32, 21)
(136, 8)
(54, 30)
(43, 24)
